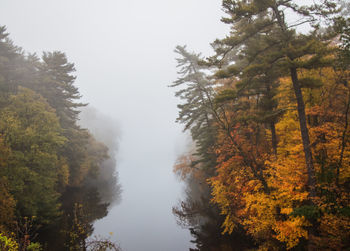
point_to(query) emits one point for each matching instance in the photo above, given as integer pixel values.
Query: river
(143, 220)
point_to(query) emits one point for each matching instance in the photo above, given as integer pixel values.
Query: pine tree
(282, 49)
(10, 56)
(197, 111)
(57, 85)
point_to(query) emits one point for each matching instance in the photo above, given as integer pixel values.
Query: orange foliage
(273, 214)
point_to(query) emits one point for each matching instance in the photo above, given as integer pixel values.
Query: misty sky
(123, 53)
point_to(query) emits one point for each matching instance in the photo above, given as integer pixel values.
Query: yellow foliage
(291, 231)
(270, 215)
(7, 244)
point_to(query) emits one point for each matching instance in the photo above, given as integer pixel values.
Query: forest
(268, 115)
(56, 178)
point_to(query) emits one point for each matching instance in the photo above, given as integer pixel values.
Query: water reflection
(105, 130)
(202, 218)
(83, 205)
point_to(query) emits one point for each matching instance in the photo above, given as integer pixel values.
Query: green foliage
(345, 211)
(225, 96)
(34, 246)
(7, 244)
(197, 111)
(43, 151)
(31, 129)
(57, 86)
(310, 83)
(230, 71)
(342, 28)
(311, 212)
(7, 207)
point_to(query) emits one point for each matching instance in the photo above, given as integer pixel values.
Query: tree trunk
(273, 137)
(343, 140)
(311, 184)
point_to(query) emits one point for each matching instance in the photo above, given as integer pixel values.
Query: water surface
(143, 220)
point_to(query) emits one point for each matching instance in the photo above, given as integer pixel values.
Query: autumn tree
(282, 46)
(279, 105)
(31, 130)
(44, 152)
(273, 47)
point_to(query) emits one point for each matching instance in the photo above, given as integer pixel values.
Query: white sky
(123, 52)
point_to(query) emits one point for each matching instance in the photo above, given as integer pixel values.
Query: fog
(123, 53)
(105, 130)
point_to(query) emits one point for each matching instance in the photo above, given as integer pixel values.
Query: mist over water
(142, 219)
(123, 53)
(107, 131)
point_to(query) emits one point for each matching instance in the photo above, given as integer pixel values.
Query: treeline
(45, 156)
(269, 118)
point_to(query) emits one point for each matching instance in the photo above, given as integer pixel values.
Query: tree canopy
(44, 153)
(278, 108)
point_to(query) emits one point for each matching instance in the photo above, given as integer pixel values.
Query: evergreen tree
(280, 48)
(57, 86)
(198, 111)
(9, 57)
